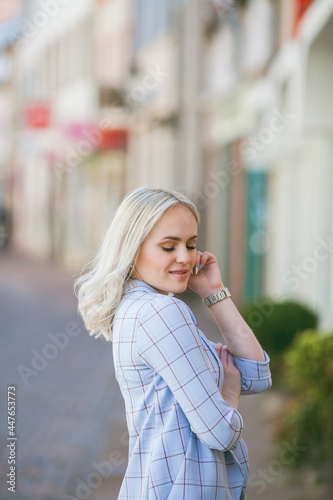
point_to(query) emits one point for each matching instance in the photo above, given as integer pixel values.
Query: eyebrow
(175, 238)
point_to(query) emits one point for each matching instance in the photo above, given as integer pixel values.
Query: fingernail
(200, 267)
(196, 270)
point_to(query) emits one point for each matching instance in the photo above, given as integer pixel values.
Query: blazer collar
(135, 285)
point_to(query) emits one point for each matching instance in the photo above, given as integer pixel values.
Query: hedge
(276, 325)
(308, 418)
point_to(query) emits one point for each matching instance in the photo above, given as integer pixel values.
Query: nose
(183, 255)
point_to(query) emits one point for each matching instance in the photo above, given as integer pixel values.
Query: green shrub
(276, 324)
(308, 418)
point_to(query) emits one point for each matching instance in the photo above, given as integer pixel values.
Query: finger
(224, 356)
(203, 259)
(225, 350)
(201, 262)
(218, 348)
(230, 359)
(205, 256)
(197, 262)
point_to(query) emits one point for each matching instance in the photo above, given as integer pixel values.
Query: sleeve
(168, 342)
(256, 375)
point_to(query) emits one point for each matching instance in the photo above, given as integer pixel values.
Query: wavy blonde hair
(101, 284)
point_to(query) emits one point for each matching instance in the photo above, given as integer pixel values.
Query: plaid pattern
(185, 440)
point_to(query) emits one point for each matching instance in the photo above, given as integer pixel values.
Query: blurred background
(228, 101)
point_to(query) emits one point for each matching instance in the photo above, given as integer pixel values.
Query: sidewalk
(65, 431)
(69, 407)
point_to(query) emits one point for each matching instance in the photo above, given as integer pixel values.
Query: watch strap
(216, 297)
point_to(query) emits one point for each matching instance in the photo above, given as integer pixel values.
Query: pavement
(70, 419)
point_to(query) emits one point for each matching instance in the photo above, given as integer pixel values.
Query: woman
(181, 390)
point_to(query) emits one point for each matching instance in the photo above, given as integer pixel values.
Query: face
(167, 256)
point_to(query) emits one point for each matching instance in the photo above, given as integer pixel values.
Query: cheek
(164, 260)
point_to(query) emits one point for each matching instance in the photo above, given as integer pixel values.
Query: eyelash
(170, 249)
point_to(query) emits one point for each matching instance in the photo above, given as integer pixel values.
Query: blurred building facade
(230, 101)
(10, 29)
(69, 169)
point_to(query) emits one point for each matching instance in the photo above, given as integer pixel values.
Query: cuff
(253, 370)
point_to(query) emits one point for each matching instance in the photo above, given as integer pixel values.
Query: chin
(180, 288)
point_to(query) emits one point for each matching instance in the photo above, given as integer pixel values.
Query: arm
(238, 336)
(255, 375)
(168, 342)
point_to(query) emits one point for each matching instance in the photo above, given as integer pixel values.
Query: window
(152, 17)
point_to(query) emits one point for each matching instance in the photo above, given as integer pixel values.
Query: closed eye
(171, 249)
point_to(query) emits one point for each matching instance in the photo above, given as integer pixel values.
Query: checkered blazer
(184, 439)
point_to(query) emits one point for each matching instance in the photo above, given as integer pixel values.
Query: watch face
(216, 297)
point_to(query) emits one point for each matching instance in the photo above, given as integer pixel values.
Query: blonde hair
(102, 280)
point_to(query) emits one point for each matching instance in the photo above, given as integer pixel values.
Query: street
(69, 415)
(68, 405)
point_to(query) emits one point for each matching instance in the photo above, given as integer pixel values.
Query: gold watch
(216, 297)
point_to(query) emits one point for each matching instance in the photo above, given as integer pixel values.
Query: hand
(231, 389)
(208, 280)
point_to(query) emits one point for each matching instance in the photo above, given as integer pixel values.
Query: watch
(216, 297)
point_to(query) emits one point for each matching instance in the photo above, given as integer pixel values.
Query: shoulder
(143, 305)
(165, 323)
(168, 309)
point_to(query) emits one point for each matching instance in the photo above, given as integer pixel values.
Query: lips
(180, 273)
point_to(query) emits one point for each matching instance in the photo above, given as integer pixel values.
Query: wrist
(231, 399)
(211, 290)
(215, 297)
